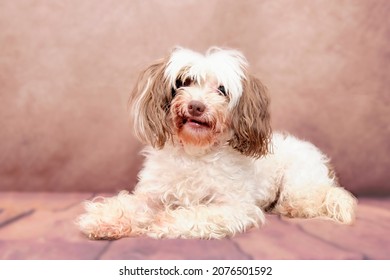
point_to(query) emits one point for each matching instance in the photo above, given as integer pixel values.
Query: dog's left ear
(251, 120)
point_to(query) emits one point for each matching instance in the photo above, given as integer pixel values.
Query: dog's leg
(309, 187)
(211, 221)
(318, 201)
(115, 217)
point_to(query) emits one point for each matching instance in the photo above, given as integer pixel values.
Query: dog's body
(213, 167)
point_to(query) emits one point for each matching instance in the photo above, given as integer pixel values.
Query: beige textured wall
(67, 67)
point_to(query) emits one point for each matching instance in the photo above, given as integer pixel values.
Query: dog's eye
(187, 82)
(222, 90)
(179, 83)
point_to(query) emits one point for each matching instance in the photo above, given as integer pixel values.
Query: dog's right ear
(149, 105)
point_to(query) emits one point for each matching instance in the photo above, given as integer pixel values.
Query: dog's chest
(195, 179)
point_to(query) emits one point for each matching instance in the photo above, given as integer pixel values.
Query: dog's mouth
(195, 123)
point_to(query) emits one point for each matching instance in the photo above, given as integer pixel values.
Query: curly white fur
(212, 166)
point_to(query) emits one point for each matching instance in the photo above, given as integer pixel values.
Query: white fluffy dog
(213, 167)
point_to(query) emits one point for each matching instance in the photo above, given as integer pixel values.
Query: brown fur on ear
(149, 104)
(251, 120)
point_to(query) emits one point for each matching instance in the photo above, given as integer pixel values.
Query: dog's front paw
(96, 228)
(105, 219)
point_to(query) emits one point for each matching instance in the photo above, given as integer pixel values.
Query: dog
(213, 167)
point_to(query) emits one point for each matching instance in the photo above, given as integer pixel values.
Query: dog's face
(199, 111)
(202, 101)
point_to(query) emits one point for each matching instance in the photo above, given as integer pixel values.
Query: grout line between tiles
(17, 218)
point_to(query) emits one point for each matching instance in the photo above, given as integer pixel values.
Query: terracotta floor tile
(371, 213)
(10, 215)
(41, 200)
(380, 202)
(44, 224)
(41, 226)
(282, 240)
(50, 249)
(147, 248)
(371, 239)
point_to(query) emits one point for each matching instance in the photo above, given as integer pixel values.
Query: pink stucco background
(67, 69)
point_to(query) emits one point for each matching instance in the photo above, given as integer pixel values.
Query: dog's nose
(196, 108)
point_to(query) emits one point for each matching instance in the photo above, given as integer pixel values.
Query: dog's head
(202, 101)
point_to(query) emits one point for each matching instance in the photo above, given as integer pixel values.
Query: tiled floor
(41, 226)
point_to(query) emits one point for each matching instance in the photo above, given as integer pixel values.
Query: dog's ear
(149, 105)
(251, 120)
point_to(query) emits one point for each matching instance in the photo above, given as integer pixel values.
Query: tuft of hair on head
(149, 105)
(251, 120)
(227, 66)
